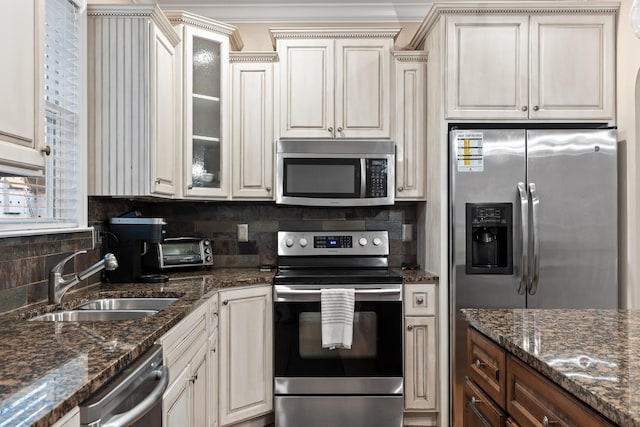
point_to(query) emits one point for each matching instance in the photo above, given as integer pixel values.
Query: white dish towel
(336, 306)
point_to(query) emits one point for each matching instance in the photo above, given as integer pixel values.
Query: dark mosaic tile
(376, 225)
(247, 248)
(13, 298)
(301, 225)
(225, 247)
(37, 292)
(343, 225)
(237, 261)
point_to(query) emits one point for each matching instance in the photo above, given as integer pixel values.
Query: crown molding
(148, 11)
(334, 33)
(411, 55)
(260, 57)
(177, 17)
(235, 12)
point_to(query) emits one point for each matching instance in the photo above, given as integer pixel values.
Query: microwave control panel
(376, 182)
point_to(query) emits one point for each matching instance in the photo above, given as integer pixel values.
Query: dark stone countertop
(48, 368)
(592, 354)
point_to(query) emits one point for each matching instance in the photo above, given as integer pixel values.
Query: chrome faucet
(58, 285)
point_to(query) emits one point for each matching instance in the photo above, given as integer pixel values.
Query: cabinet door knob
(225, 302)
(400, 188)
(190, 187)
(268, 189)
(410, 327)
(340, 129)
(46, 150)
(157, 180)
(213, 350)
(479, 363)
(420, 300)
(475, 400)
(524, 108)
(536, 108)
(330, 129)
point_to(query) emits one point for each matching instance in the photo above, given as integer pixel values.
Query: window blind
(52, 200)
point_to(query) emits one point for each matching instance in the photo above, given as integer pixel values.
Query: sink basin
(108, 304)
(93, 315)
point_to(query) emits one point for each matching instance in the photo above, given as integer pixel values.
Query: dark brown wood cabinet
(501, 391)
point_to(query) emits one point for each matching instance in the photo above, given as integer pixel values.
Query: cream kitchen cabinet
(547, 65)
(70, 419)
(22, 87)
(185, 352)
(335, 83)
(420, 348)
(203, 76)
(213, 362)
(252, 124)
(246, 347)
(133, 89)
(410, 130)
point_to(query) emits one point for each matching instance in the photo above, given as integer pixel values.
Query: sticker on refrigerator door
(469, 152)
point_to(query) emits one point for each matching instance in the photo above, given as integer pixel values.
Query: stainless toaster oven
(178, 252)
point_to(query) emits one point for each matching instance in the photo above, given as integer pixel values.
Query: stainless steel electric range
(316, 386)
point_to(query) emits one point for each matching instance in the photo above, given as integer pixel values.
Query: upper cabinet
(252, 124)
(133, 94)
(21, 87)
(525, 61)
(335, 83)
(203, 74)
(410, 130)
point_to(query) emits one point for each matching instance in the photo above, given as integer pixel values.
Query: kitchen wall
(217, 221)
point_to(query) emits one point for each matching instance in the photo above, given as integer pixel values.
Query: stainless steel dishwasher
(133, 398)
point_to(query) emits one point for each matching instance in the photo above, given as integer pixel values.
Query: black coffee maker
(127, 238)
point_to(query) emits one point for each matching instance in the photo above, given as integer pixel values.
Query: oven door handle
(357, 291)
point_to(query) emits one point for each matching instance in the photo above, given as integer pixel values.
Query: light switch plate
(243, 232)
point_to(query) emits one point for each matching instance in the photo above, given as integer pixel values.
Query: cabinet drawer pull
(225, 302)
(479, 363)
(475, 400)
(546, 421)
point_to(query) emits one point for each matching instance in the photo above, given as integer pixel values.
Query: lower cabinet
(500, 391)
(246, 353)
(420, 341)
(185, 351)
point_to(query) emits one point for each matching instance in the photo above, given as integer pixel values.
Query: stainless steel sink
(93, 315)
(127, 304)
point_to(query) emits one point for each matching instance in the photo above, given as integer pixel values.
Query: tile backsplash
(25, 261)
(217, 222)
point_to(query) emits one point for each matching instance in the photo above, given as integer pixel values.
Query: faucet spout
(58, 285)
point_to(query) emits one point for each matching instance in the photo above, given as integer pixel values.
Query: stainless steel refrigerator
(533, 224)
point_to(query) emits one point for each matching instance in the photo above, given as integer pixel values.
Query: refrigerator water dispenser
(489, 239)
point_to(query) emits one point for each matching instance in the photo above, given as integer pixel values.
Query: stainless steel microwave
(335, 172)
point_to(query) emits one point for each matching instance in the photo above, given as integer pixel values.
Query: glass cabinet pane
(206, 67)
(206, 163)
(205, 99)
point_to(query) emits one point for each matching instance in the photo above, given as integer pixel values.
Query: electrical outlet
(407, 232)
(243, 232)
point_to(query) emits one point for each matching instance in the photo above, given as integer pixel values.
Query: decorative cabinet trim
(544, 8)
(176, 17)
(333, 33)
(151, 12)
(411, 55)
(261, 57)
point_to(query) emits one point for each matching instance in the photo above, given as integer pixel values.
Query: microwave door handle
(363, 178)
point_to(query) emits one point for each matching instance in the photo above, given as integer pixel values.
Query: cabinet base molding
(420, 419)
(265, 420)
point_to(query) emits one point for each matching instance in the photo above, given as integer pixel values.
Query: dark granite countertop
(592, 354)
(48, 368)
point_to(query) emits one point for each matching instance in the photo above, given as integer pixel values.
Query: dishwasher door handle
(127, 418)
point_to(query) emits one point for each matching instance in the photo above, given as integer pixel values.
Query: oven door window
(376, 349)
(323, 177)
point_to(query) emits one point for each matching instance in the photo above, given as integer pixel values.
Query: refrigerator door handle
(521, 283)
(535, 203)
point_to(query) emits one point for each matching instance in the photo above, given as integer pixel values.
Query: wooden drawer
(180, 344)
(511, 423)
(479, 409)
(420, 299)
(486, 365)
(533, 400)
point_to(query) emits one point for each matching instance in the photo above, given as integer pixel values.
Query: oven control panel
(301, 243)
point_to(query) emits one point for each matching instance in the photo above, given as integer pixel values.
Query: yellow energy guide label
(469, 152)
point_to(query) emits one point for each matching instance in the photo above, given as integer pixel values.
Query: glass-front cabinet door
(205, 101)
